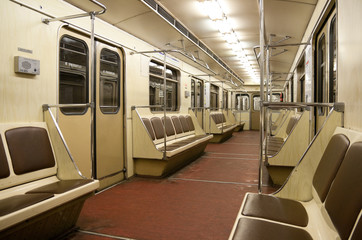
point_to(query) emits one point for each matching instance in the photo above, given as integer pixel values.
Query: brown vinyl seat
(149, 127)
(4, 166)
(344, 199)
(35, 148)
(61, 186)
(255, 229)
(17, 202)
(291, 211)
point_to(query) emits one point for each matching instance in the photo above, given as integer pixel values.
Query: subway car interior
(181, 120)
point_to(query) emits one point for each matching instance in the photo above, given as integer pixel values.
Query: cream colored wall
(349, 61)
(22, 96)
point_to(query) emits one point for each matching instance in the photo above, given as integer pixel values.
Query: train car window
(73, 74)
(193, 102)
(157, 87)
(242, 102)
(225, 99)
(256, 100)
(109, 87)
(321, 76)
(333, 61)
(214, 97)
(197, 96)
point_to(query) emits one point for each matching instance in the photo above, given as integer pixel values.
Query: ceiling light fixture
(213, 9)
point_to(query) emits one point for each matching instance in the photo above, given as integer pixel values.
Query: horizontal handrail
(46, 106)
(337, 105)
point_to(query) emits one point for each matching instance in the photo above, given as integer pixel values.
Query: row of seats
(162, 145)
(334, 212)
(275, 143)
(220, 121)
(179, 129)
(29, 185)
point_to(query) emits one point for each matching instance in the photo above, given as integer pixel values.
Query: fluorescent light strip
(214, 11)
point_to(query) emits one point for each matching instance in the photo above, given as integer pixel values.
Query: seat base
(48, 225)
(161, 168)
(222, 137)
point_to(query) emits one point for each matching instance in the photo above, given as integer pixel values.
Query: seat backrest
(170, 131)
(177, 124)
(4, 166)
(292, 121)
(329, 164)
(344, 199)
(30, 149)
(184, 124)
(190, 123)
(149, 128)
(157, 127)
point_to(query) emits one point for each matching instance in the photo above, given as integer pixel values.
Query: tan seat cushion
(276, 209)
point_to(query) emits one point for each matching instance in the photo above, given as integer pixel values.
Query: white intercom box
(26, 65)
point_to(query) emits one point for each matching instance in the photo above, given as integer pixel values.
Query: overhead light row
(213, 9)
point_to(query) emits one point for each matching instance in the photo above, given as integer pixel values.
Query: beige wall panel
(21, 95)
(349, 61)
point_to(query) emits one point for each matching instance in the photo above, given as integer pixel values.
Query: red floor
(200, 201)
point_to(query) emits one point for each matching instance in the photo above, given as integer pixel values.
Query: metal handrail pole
(261, 39)
(93, 98)
(164, 105)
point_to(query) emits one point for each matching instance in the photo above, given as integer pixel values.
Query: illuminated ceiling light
(223, 26)
(213, 9)
(230, 38)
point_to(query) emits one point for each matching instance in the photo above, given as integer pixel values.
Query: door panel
(326, 67)
(75, 123)
(74, 88)
(255, 112)
(109, 113)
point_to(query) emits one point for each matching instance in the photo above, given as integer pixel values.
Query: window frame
(153, 75)
(107, 78)
(74, 72)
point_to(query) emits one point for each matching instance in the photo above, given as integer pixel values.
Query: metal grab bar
(46, 107)
(337, 105)
(92, 13)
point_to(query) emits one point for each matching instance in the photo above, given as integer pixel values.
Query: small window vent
(166, 15)
(193, 38)
(151, 3)
(180, 27)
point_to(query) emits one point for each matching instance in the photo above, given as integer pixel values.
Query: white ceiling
(282, 18)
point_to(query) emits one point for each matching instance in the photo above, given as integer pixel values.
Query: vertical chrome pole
(268, 97)
(261, 39)
(164, 104)
(92, 89)
(222, 107)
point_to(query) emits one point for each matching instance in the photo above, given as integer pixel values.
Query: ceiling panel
(283, 17)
